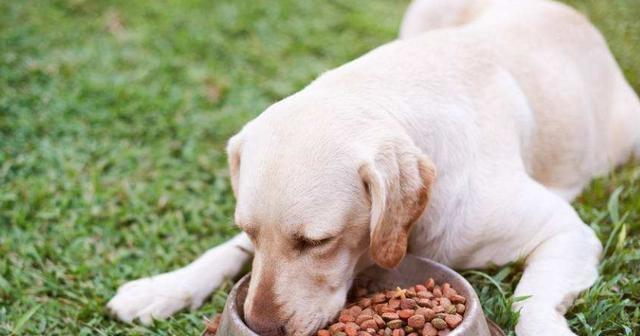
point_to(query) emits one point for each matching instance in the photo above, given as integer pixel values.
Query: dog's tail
(426, 15)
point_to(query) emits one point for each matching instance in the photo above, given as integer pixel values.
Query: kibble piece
(339, 333)
(336, 327)
(378, 298)
(398, 332)
(395, 324)
(424, 303)
(429, 330)
(430, 284)
(408, 304)
(413, 334)
(324, 332)
(379, 320)
(367, 311)
(390, 316)
(362, 317)
(355, 311)
(408, 329)
(388, 331)
(439, 323)
(370, 323)
(424, 295)
(351, 329)
(428, 314)
(345, 316)
(437, 292)
(457, 298)
(453, 320)
(416, 321)
(460, 308)
(406, 313)
(450, 309)
(394, 303)
(363, 333)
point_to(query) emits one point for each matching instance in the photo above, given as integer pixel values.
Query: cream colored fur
(498, 112)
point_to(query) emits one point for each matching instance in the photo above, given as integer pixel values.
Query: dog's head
(319, 202)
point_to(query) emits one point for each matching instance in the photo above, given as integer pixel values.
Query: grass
(113, 119)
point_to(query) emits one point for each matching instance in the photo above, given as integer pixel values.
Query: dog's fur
(463, 141)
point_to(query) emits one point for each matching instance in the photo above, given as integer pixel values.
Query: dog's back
(586, 116)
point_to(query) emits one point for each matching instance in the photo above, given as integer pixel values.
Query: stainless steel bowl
(411, 271)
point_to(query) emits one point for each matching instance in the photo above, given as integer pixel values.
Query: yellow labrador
(463, 141)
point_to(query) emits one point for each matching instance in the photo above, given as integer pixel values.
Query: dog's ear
(234, 149)
(399, 182)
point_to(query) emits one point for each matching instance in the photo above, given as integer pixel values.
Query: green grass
(113, 120)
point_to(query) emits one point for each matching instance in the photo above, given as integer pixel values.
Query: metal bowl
(411, 271)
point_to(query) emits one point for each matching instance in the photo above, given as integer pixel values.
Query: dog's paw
(156, 297)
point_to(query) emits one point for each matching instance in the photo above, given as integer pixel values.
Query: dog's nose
(266, 328)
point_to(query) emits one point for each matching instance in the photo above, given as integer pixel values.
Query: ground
(113, 119)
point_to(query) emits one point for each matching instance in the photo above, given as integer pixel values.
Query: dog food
(212, 325)
(422, 310)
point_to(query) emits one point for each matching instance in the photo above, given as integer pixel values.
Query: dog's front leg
(556, 272)
(563, 263)
(160, 296)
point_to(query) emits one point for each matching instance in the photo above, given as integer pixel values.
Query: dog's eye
(303, 243)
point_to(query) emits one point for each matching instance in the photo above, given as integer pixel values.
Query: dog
(463, 141)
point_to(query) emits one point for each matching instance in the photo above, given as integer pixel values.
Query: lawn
(113, 120)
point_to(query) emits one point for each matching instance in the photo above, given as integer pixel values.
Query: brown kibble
(408, 304)
(425, 309)
(390, 316)
(424, 303)
(424, 295)
(351, 329)
(398, 332)
(416, 321)
(450, 309)
(430, 284)
(378, 298)
(362, 317)
(406, 313)
(379, 320)
(336, 327)
(428, 314)
(367, 311)
(453, 320)
(345, 316)
(387, 309)
(457, 298)
(429, 330)
(395, 324)
(438, 323)
(370, 323)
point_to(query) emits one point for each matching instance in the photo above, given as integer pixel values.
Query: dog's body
(516, 104)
